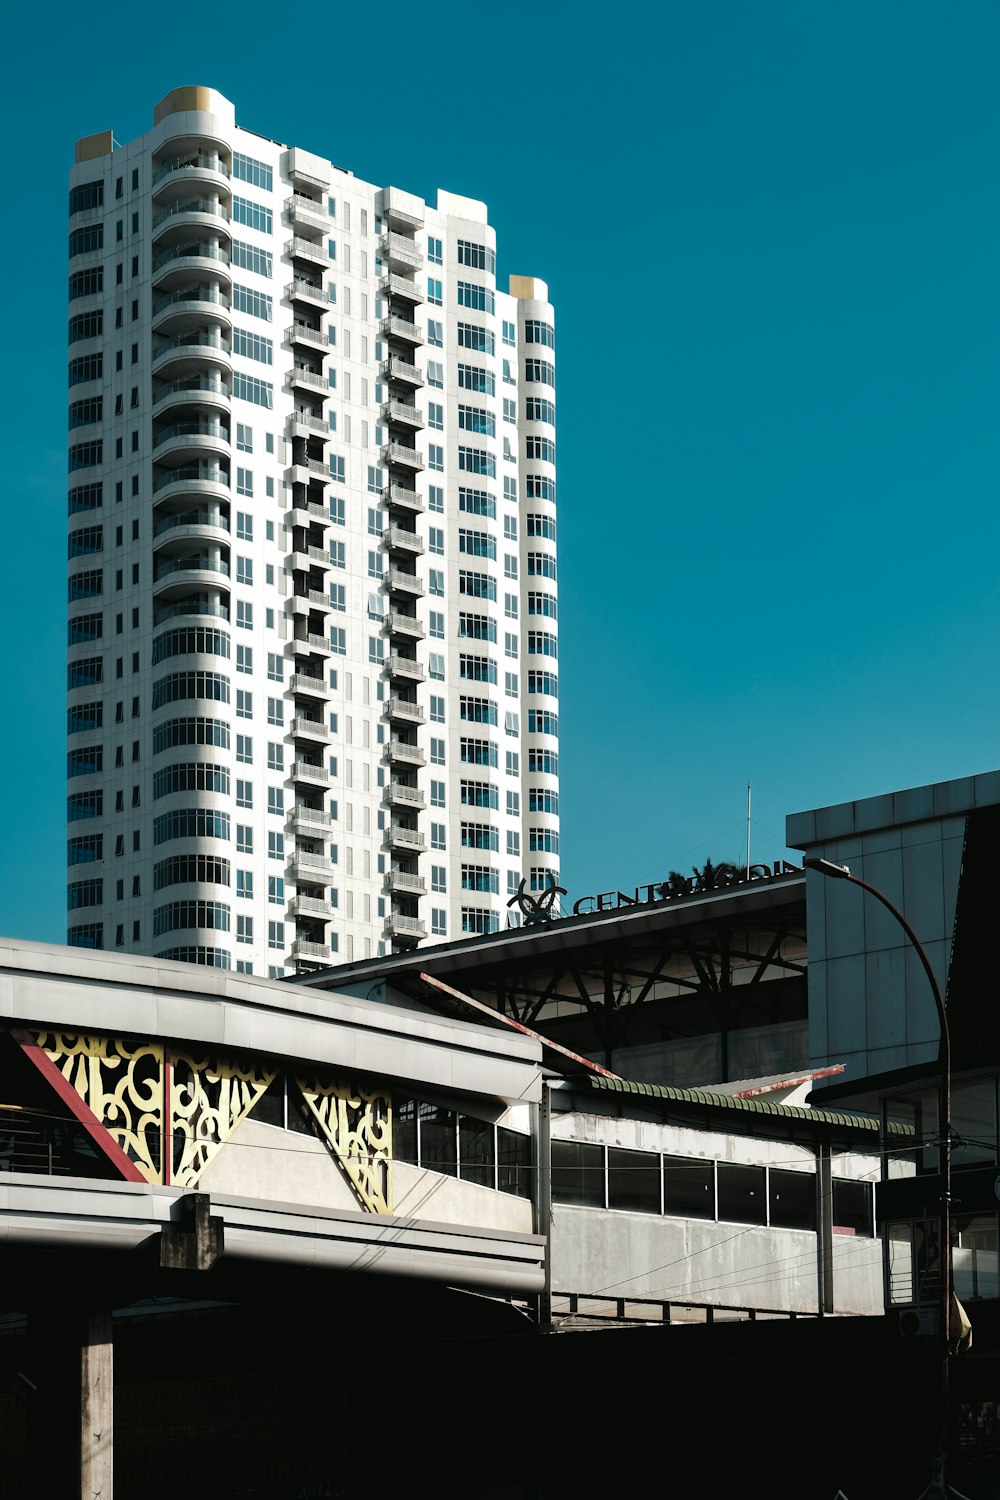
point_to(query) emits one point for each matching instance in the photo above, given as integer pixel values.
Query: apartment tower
(312, 681)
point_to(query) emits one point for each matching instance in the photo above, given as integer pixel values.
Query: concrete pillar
(97, 1389)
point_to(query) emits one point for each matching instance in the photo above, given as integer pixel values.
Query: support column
(824, 1226)
(97, 1390)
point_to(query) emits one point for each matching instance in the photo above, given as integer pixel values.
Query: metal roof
(756, 1105)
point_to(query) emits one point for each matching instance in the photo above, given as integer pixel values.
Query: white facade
(312, 690)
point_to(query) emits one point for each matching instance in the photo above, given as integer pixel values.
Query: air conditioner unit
(919, 1322)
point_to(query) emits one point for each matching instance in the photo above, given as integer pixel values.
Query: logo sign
(536, 909)
(709, 878)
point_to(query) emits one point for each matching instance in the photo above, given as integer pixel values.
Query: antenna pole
(748, 830)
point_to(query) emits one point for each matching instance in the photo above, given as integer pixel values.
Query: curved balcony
(188, 174)
(177, 573)
(189, 350)
(192, 479)
(213, 605)
(187, 442)
(202, 257)
(194, 523)
(191, 306)
(177, 220)
(196, 393)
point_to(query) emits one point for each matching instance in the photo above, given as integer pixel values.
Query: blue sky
(772, 236)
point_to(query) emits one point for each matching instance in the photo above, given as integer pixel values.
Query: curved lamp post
(939, 1489)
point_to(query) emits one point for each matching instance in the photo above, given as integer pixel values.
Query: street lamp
(938, 1489)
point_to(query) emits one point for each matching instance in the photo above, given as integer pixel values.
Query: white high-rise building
(312, 687)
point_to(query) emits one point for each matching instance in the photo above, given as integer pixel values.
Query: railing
(306, 419)
(302, 203)
(403, 411)
(318, 817)
(208, 163)
(400, 880)
(199, 251)
(310, 861)
(400, 580)
(405, 666)
(305, 770)
(190, 294)
(305, 333)
(403, 750)
(400, 328)
(194, 383)
(314, 728)
(199, 605)
(395, 368)
(201, 517)
(403, 494)
(402, 708)
(406, 250)
(195, 562)
(308, 247)
(397, 453)
(202, 473)
(309, 906)
(191, 206)
(407, 926)
(304, 376)
(398, 536)
(411, 837)
(300, 287)
(200, 340)
(400, 792)
(402, 287)
(302, 948)
(306, 682)
(191, 429)
(406, 624)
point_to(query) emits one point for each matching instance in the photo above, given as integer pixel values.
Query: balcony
(318, 643)
(190, 170)
(309, 380)
(311, 822)
(315, 952)
(308, 250)
(192, 347)
(405, 497)
(190, 213)
(400, 328)
(407, 625)
(410, 885)
(405, 753)
(310, 686)
(401, 795)
(314, 869)
(301, 290)
(400, 837)
(304, 424)
(396, 453)
(206, 391)
(401, 540)
(192, 523)
(178, 262)
(309, 471)
(311, 729)
(173, 574)
(310, 906)
(193, 438)
(404, 583)
(404, 412)
(407, 929)
(402, 286)
(405, 711)
(401, 370)
(200, 303)
(202, 478)
(402, 252)
(310, 337)
(305, 770)
(405, 666)
(307, 213)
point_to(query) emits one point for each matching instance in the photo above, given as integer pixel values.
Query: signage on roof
(709, 878)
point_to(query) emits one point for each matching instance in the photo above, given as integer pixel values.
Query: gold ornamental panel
(209, 1097)
(121, 1082)
(357, 1126)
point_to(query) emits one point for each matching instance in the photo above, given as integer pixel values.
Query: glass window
(689, 1187)
(974, 1118)
(404, 1130)
(578, 1173)
(742, 1196)
(513, 1162)
(852, 1207)
(438, 1139)
(975, 1256)
(634, 1180)
(792, 1199)
(476, 1152)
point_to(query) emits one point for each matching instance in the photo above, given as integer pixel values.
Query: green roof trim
(755, 1105)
